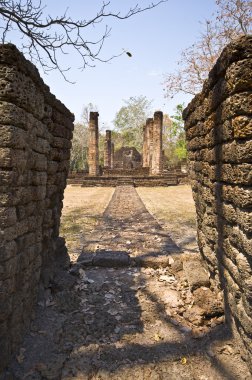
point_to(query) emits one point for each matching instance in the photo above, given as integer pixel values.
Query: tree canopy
(174, 143)
(79, 151)
(231, 20)
(130, 119)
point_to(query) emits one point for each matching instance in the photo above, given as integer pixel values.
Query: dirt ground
(134, 304)
(174, 208)
(82, 210)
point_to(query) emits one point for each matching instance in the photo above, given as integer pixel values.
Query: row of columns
(93, 147)
(153, 144)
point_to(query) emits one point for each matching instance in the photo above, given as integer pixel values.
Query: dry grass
(82, 209)
(174, 208)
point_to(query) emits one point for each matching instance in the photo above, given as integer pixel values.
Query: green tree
(79, 151)
(174, 137)
(130, 119)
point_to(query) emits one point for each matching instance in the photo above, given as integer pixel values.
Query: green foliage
(79, 151)
(174, 137)
(129, 122)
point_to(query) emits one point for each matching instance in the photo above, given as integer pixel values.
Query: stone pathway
(129, 229)
(127, 310)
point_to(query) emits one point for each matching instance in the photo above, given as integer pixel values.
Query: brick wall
(35, 134)
(218, 127)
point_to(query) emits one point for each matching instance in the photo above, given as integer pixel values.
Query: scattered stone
(196, 273)
(165, 278)
(152, 261)
(111, 259)
(195, 315)
(208, 301)
(170, 297)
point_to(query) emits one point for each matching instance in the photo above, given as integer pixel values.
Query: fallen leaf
(20, 357)
(158, 337)
(183, 360)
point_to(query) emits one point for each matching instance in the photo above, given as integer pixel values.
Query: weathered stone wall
(127, 158)
(35, 134)
(218, 127)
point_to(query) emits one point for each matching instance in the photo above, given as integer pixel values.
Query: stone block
(196, 274)
(239, 195)
(8, 216)
(238, 76)
(40, 145)
(242, 126)
(8, 250)
(38, 162)
(236, 174)
(13, 137)
(208, 301)
(237, 152)
(111, 259)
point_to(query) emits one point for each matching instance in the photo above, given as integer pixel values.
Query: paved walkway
(127, 227)
(135, 321)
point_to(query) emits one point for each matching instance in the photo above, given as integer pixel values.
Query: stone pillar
(149, 138)
(93, 147)
(112, 155)
(157, 156)
(107, 150)
(145, 147)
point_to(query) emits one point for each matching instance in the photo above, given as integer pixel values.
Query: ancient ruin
(148, 143)
(108, 151)
(126, 164)
(36, 131)
(156, 160)
(127, 158)
(218, 131)
(93, 145)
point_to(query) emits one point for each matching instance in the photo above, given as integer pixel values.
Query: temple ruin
(128, 163)
(36, 133)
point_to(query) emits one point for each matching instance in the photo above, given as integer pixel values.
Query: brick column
(107, 150)
(145, 147)
(156, 162)
(149, 137)
(93, 148)
(112, 155)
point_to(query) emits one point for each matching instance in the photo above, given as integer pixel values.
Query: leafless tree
(46, 38)
(232, 19)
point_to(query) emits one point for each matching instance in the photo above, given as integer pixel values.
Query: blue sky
(155, 39)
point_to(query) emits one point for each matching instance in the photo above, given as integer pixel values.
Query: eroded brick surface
(218, 131)
(35, 134)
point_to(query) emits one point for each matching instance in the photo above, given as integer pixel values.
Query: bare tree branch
(46, 39)
(232, 19)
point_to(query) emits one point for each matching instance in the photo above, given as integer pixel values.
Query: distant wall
(218, 127)
(35, 134)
